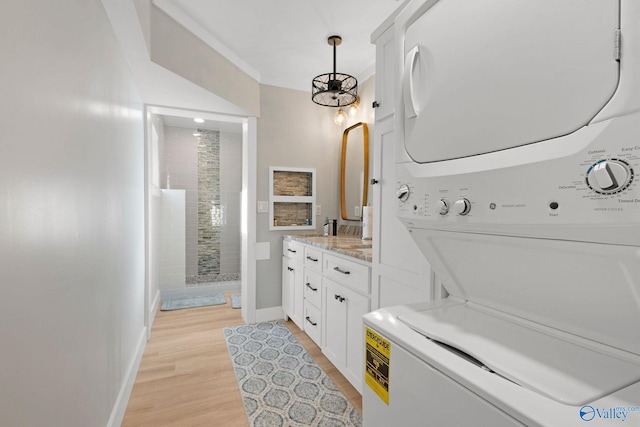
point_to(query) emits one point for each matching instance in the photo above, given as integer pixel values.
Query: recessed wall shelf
(292, 198)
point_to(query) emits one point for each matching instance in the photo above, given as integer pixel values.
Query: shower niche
(292, 198)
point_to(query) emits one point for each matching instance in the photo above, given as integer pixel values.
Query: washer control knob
(442, 206)
(462, 206)
(609, 176)
(403, 193)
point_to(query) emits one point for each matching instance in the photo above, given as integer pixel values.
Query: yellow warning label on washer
(378, 355)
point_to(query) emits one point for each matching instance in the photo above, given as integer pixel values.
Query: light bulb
(341, 117)
(353, 108)
(198, 120)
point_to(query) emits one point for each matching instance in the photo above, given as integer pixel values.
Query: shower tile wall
(181, 164)
(209, 207)
(230, 186)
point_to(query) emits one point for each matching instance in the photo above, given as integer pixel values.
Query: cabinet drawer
(293, 250)
(347, 272)
(312, 323)
(313, 258)
(312, 288)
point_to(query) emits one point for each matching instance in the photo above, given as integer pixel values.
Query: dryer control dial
(462, 206)
(403, 193)
(609, 176)
(442, 206)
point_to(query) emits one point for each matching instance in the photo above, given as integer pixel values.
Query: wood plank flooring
(186, 377)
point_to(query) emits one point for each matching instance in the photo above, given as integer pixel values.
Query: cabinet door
(313, 322)
(400, 272)
(293, 291)
(385, 51)
(357, 306)
(343, 328)
(334, 323)
(287, 288)
(312, 288)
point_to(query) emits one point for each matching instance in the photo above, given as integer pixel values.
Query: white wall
(71, 216)
(294, 132)
(180, 162)
(172, 239)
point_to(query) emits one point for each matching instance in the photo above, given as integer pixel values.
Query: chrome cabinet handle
(312, 259)
(311, 287)
(309, 320)
(339, 270)
(339, 298)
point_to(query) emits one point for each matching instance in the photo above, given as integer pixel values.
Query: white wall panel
(71, 216)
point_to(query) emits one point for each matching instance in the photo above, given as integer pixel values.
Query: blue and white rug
(280, 383)
(236, 301)
(193, 301)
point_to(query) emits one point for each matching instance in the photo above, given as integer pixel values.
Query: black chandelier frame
(334, 89)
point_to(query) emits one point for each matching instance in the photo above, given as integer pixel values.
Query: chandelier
(334, 89)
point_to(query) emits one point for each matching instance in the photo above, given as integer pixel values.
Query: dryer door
(483, 76)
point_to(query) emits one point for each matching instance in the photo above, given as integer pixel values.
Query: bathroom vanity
(326, 289)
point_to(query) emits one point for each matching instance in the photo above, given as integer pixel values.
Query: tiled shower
(200, 201)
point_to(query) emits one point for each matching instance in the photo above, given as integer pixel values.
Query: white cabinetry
(384, 74)
(343, 331)
(400, 272)
(312, 305)
(293, 282)
(326, 294)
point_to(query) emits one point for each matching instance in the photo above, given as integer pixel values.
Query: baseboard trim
(120, 407)
(268, 314)
(155, 306)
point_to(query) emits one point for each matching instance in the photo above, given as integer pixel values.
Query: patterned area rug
(194, 301)
(236, 301)
(280, 383)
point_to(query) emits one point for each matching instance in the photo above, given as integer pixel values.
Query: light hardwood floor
(186, 377)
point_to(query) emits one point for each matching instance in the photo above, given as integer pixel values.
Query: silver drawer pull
(291, 250)
(311, 287)
(309, 320)
(339, 270)
(312, 259)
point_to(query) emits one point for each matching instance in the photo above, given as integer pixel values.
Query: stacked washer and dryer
(521, 125)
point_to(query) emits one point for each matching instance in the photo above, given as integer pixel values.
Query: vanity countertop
(342, 244)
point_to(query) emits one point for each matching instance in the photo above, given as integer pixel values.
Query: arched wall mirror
(354, 171)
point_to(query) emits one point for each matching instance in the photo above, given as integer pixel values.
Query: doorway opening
(194, 204)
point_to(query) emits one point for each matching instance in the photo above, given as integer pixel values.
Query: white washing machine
(520, 121)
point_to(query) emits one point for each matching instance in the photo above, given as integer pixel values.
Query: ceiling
(187, 122)
(284, 42)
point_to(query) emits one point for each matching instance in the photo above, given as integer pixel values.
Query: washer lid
(566, 371)
(483, 76)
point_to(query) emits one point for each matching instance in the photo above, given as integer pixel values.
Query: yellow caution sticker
(378, 355)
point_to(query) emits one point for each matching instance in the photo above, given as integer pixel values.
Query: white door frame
(248, 208)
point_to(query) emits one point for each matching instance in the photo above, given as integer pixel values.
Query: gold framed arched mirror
(354, 171)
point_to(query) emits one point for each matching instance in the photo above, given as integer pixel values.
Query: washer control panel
(462, 206)
(609, 176)
(594, 185)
